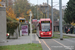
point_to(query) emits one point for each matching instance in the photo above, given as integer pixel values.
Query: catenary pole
(37, 9)
(52, 18)
(47, 9)
(60, 7)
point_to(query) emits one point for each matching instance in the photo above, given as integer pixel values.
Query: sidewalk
(21, 40)
(72, 35)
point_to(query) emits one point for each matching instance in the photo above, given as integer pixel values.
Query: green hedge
(34, 31)
(11, 26)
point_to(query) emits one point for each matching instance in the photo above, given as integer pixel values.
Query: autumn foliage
(10, 13)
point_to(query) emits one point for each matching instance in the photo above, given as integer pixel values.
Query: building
(56, 26)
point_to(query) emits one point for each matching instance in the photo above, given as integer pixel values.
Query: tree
(69, 15)
(10, 14)
(10, 2)
(21, 8)
(42, 9)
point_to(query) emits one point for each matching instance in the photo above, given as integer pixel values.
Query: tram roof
(45, 19)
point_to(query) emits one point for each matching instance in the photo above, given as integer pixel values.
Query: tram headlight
(49, 33)
(41, 33)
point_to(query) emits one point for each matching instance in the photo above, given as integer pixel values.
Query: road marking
(70, 40)
(37, 38)
(46, 44)
(39, 41)
(62, 44)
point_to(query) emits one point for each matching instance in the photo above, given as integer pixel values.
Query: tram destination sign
(45, 21)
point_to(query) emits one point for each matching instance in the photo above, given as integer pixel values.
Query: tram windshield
(45, 26)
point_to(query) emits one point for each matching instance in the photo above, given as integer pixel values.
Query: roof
(56, 23)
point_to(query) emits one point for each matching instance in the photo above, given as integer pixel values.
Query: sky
(55, 2)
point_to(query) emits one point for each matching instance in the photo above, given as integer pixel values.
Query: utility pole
(47, 9)
(52, 18)
(60, 7)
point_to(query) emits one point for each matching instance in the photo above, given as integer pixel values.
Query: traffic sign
(30, 13)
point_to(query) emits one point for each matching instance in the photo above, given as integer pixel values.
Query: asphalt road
(57, 44)
(47, 44)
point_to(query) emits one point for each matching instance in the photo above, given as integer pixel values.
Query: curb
(71, 35)
(37, 39)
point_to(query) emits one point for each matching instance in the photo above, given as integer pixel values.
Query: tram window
(45, 27)
(51, 26)
(39, 26)
(22, 21)
(45, 21)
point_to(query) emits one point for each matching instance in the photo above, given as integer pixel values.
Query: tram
(44, 28)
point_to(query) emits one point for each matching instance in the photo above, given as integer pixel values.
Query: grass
(22, 47)
(56, 36)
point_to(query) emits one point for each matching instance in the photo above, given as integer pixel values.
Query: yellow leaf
(28, 11)
(0, 5)
(0, 0)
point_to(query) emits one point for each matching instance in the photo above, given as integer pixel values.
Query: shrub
(34, 31)
(11, 26)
